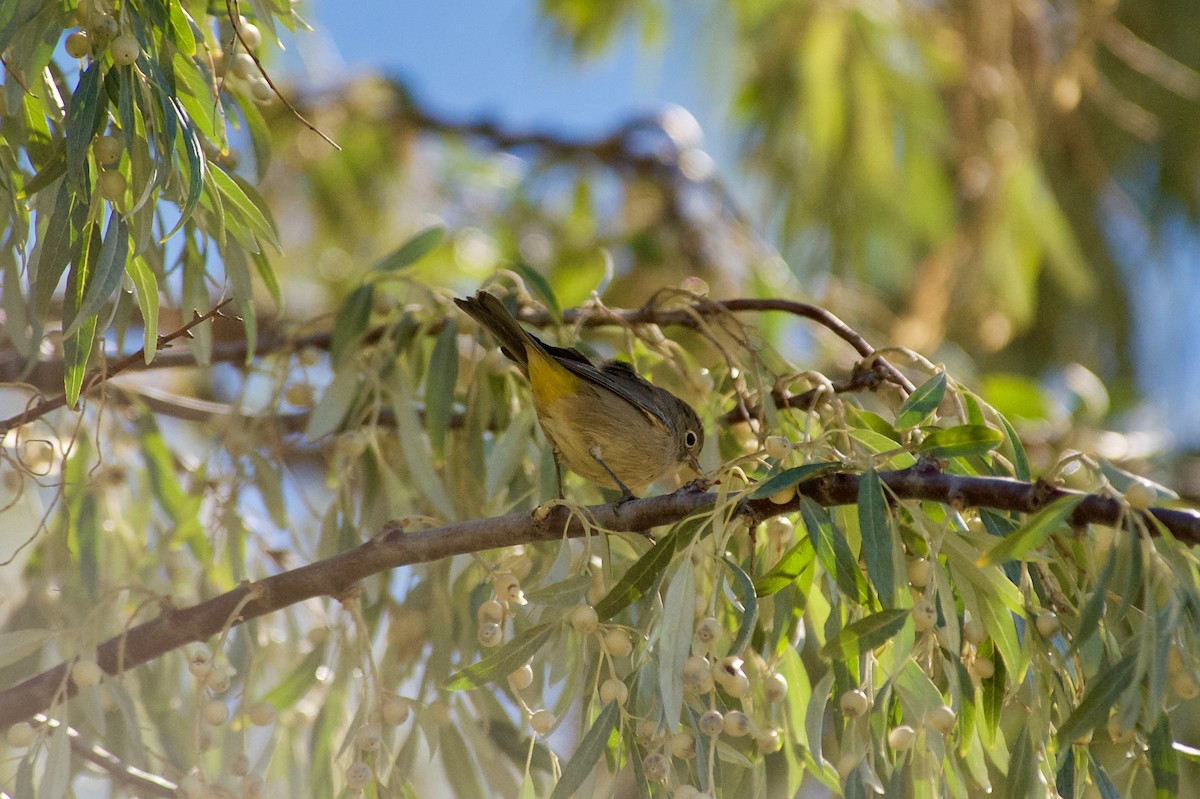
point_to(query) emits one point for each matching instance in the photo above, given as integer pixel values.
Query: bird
(605, 422)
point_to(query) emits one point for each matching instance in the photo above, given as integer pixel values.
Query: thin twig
(96, 378)
(143, 782)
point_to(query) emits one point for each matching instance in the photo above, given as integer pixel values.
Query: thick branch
(394, 547)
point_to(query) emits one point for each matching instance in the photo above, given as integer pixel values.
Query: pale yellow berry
(768, 741)
(1048, 624)
(86, 673)
(299, 394)
(924, 614)
(104, 27)
(711, 723)
(736, 724)
(112, 185)
(686, 791)
(775, 687)
(107, 150)
(368, 738)
(683, 745)
(780, 528)
(901, 738)
(738, 686)
(490, 611)
(613, 690)
(522, 678)
(1184, 686)
(508, 588)
(192, 785)
(918, 572)
(657, 767)
(261, 714)
(218, 679)
(395, 711)
(125, 50)
(19, 735)
(616, 643)
(973, 631)
(243, 66)
(358, 775)
(941, 719)
(490, 634)
(727, 670)
(854, 702)
(778, 447)
(240, 766)
(983, 668)
(697, 675)
(351, 444)
(261, 91)
(1140, 495)
(647, 731)
(79, 45)
(708, 630)
(542, 721)
(784, 496)
(215, 712)
(1119, 734)
(695, 285)
(584, 619)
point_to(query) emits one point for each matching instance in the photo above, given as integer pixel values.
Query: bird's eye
(690, 439)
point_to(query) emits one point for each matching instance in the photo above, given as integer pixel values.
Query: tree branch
(395, 547)
(106, 373)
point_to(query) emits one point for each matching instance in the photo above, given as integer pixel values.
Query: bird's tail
(488, 311)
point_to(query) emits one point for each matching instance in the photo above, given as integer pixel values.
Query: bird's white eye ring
(689, 438)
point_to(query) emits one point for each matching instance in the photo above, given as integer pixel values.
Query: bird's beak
(695, 464)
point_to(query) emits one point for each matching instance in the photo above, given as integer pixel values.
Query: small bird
(606, 423)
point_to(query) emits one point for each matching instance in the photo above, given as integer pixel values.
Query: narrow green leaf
(335, 403)
(1103, 690)
(411, 251)
(502, 661)
(591, 748)
(1022, 768)
(181, 29)
(56, 777)
(351, 320)
(233, 192)
(146, 285)
(1033, 533)
(565, 592)
(78, 348)
(292, 688)
(83, 115)
(440, 378)
(1020, 459)
(866, 633)
(878, 542)
(196, 162)
(961, 441)
(833, 552)
(459, 764)
(674, 636)
(1093, 609)
(638, 578)
(20, 644)
(104, 280)
(1164, 760)
(922, 402)
(788, 568)
(53, 250)
(790, 477)
(266, 273)
(749, 608)
(1122, 481)
(540, 288)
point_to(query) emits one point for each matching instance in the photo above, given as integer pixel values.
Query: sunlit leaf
(879, 542)
(502, 661)
(1103, 690)
(961, 441)
(922, 402)
(749, 608)
(411, 251)
(866, 633)
(591, 748)
(790, 477)
(789, 567)
(1033, 533)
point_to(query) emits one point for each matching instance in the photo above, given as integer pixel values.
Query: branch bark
(395, 547)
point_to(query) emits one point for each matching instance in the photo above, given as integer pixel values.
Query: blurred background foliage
(979, 181)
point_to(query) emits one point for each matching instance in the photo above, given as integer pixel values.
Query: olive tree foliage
(252, 547)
